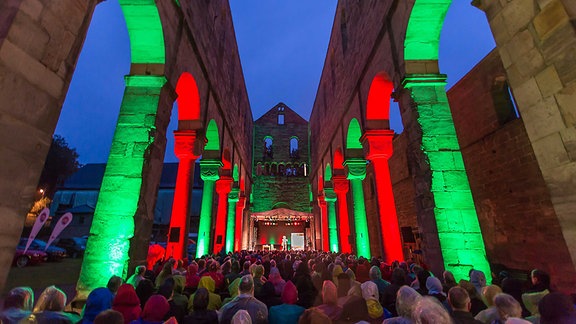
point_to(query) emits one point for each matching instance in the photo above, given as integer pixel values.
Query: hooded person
(241, 317)
(435, 289)
(215, 301)
(407, 298)
(490, 314)
(138, 276)
(127, 303)
(50, 307)
(201, 313)
(192, 277)
(99, 299)
(276, 279)
(478, 279)
(17, 305)
(155, 311)
(372, 298)
(232, 290)
(329, 306)
(337, 270)
(288, 312)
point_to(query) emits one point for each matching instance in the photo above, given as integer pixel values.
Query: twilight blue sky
(282, 47)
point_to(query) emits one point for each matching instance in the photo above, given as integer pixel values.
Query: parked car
(74, 246)
(54, 253)
(31, 257)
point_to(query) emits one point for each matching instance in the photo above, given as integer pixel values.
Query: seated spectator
(268, 296)
(372, 298)
(50, 307)
(329, 306)
(201, 313)
(429, 311)
(460, 303)
(376, 277)
(276, 279)
(508, 308)
(213, 272)
(449, 281)
(192, 277)
(406, 299)
(434, 287)
(245, 300)
(144, 290)
(556, 308)
(477, 305)
(398, 280)
(288, 312)
(155, 311)
(99, 299)
(478, 279)
(17, 305)
(114, 283)
(540, 281)
(138, 276)
(127, 303)
(490, 314)
(215, 301)
(109, 316)
(164, 274)
(531, 301)
(241, 317)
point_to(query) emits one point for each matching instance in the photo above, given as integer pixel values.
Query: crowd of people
(299, 287)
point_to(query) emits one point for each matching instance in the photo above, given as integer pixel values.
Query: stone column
(378, 147)
(231, 222)
(177, 235)
(324, 221)
(223, 188)
(209, 174)
(240, 205)
(446, 213)
(341, 187)
(356, 173)
(330, 197)
(113, 224)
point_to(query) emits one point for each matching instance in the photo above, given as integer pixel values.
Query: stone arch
(338, 159)
(235, 174)
(423, 32)
(294, 146)
(328, 173)
(188, 98)
(146, 32)
(378, 104)
(212, 136)
(353, 135)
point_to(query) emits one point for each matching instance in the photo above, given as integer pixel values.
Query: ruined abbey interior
(483, 176)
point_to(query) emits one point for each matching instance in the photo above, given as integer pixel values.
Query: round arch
(353, 135)
(424, 26)
(145, 32)
(338, 159)
(188, 98)
(378, 104)
(212, 136)
(328, 173)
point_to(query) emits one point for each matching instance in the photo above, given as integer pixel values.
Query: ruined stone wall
(274, 186)
(510, 194)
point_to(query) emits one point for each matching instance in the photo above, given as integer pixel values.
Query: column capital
(377, 143)
(224, 185)
(321, 200)
(341, 185)
(184, 144)
(209, 169)
(329, 195)
(423, 80)
(356, 168)
(234, 195)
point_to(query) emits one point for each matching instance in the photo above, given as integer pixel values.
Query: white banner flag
(40, 220)
(64, 221)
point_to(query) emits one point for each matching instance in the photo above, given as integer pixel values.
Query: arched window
(294, 154)
(266, 169)
(274, 169)
(259, 168)
(281, 115)
(281, 169)
(268, 148)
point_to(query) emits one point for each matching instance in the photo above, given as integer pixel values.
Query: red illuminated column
(223, 188)
(378, 145)
(324, 220)
(239, 222)
(183, 147)
(341, 187)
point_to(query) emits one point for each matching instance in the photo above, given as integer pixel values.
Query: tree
(61, 163)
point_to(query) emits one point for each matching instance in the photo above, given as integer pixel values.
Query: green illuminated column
(209, 174)
(113, 224)
(233, 198)
(330, 197)
(457, 224)
(356, 173)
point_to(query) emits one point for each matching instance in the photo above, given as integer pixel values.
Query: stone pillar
(324, 221)
(238, 231)
(378, 147)
(177, 233)
(113, 224)
(356, 168)
(209, 174)
(446, 213)
(330, 197)
(223, 188)
(341, 188)
(231, 222)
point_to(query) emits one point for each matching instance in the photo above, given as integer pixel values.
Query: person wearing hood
(214, 300)
(276, 279)
(407, 298)
(435, 289)
(99, 299)
(288, 312)
(201, 314)
(329, 306)
(17, 305)
(155, 311)
(50, 307)
(372, 298)
(478, 279)
(138, 276)
(246, 301)
(127, 303)
(192, 277)
(490, 314)
(232, 290)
